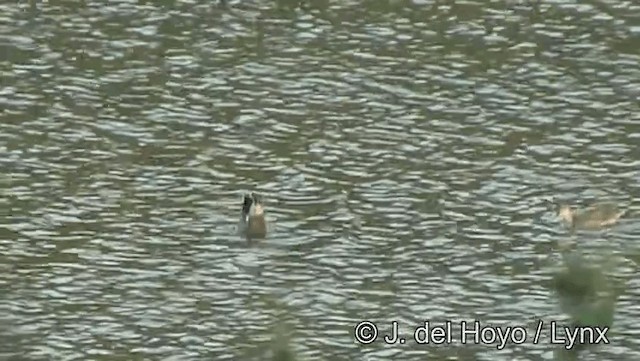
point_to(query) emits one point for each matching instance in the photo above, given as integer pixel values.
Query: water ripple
(406, 152)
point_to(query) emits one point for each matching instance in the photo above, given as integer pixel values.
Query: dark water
(406, 152)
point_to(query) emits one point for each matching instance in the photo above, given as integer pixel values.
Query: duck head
(252, 205)
(566, 213)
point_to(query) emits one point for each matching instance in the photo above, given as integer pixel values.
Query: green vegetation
(586, 295)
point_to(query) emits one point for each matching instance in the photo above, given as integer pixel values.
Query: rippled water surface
(407, 153)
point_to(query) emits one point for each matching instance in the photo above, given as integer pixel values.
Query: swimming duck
(597, 216)
(252, 221)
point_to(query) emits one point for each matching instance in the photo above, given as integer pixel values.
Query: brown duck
(596, 216)
(252, 220)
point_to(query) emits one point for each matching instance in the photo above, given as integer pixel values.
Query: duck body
(597, 216)
(253, 224)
